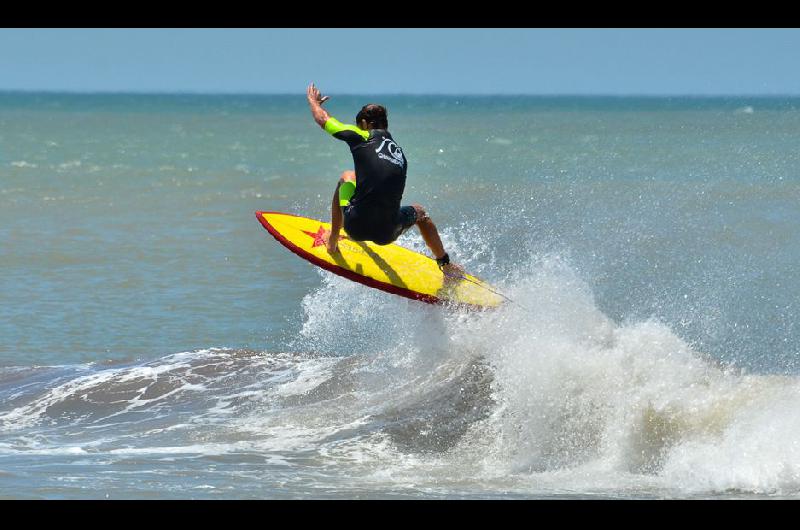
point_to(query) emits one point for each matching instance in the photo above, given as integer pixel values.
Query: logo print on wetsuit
(394, 150)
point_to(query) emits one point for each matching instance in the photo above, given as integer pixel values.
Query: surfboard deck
(390, 268)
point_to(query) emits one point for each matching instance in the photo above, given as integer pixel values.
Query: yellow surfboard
(391, 268)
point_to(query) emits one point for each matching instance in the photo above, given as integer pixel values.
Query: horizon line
(5, 91)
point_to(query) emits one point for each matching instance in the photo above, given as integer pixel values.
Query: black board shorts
(361, 228)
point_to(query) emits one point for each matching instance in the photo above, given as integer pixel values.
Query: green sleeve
(344, 132)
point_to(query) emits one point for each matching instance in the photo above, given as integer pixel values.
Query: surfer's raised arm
(315, 101)
(351, 134)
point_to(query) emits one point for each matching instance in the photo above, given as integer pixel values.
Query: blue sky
(404, 61)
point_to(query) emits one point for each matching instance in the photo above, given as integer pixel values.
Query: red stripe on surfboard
(341, 271)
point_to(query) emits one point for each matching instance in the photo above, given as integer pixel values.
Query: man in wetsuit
(367, 201)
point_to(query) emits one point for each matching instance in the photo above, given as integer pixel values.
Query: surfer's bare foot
(332, 244)
(453, 270)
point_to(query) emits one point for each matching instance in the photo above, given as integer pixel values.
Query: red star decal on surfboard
(318, 241)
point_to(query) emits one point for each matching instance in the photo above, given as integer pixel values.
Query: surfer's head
(372, 116)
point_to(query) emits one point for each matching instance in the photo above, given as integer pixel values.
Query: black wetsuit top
(380, 168)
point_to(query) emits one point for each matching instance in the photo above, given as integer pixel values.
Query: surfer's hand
(314, 95)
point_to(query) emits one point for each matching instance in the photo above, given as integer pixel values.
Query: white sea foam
(578, 396)
(579, 392)
(310, 374)
(578, 402)
(70, 164)
(80, 388)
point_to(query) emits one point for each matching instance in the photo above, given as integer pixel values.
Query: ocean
(157, 343)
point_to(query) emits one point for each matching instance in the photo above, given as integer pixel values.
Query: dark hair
(375, 116)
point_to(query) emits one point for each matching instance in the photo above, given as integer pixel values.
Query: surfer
(366, 202)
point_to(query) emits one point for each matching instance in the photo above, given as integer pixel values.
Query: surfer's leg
(431, 236)
(348, 177)
(429, 232)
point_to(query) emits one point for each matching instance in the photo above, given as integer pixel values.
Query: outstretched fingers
(313, 94)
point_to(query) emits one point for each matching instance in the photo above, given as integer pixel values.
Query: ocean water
(157, 342)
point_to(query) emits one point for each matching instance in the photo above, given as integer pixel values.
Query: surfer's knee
(422, 215)
(346, 187)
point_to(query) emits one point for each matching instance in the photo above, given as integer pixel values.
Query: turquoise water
(155, 341)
